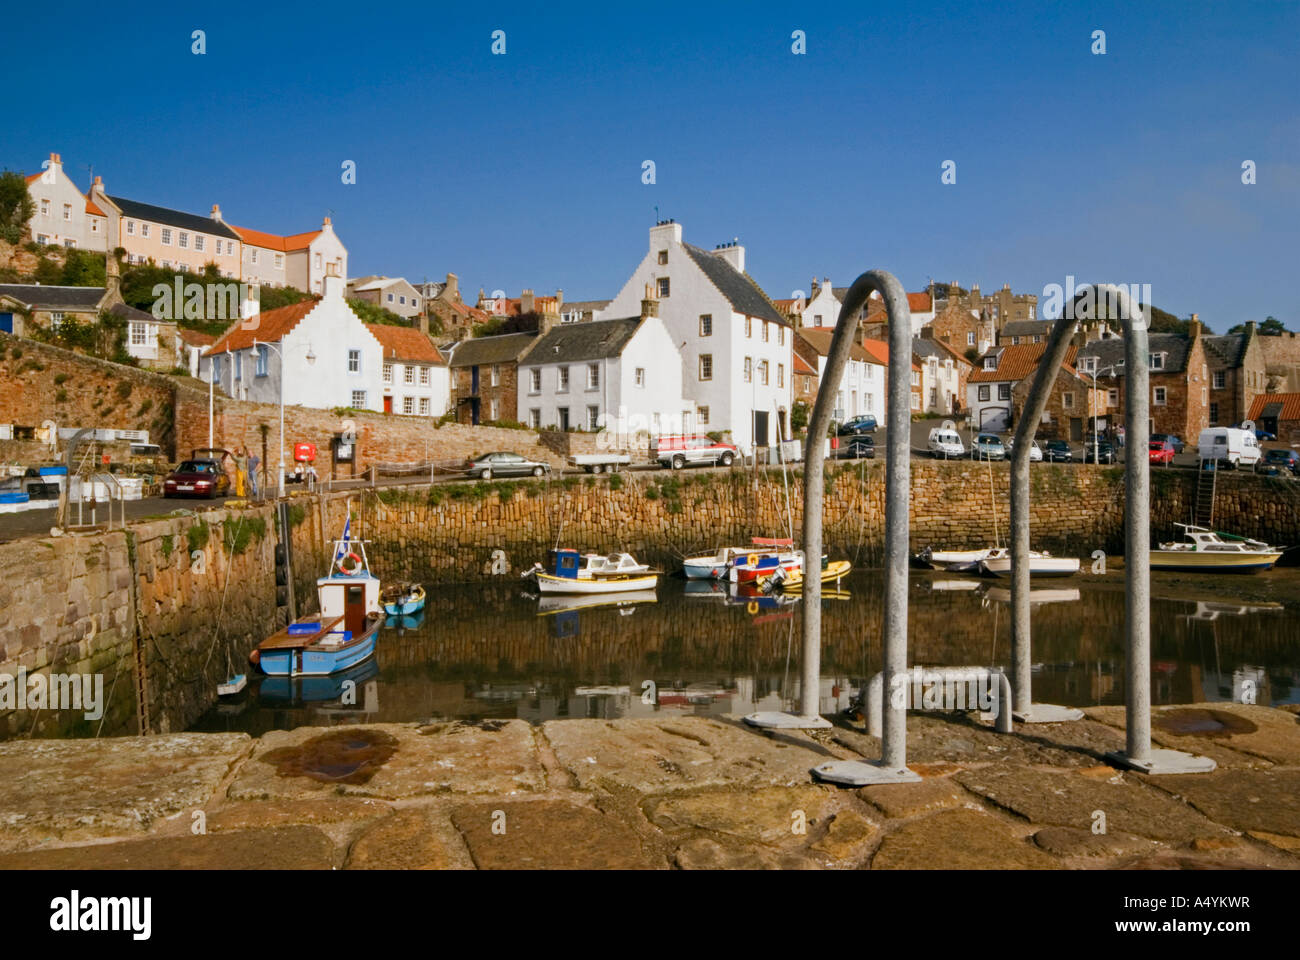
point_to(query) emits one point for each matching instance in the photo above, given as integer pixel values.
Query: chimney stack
(216, 213)
(452, 289)
(526, 302)
(113, 278)
(333, 285)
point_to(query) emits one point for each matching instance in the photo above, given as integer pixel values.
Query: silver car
(491, 465)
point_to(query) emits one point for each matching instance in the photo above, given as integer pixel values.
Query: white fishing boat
(1059, 595)
(1210, 551)
(954, 561)
(1041, 564)
(717, 566)
(563, 577)
(610, 565)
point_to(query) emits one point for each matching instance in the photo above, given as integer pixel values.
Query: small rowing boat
(1041, 564)
(832, 572)
(564, 576)
(1210, 551)
(404, 599)
(954, 561)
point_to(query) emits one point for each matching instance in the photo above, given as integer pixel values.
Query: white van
(945, 443)
(1240, 448)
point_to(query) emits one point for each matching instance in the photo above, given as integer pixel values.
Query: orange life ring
(751, 560)
(356, 564)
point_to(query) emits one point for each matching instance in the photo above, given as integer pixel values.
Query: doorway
(388, 404)
(760, 428)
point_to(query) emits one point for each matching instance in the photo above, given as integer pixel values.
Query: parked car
(987, 446)
(1160, 451)
(1101, 452)
(945, 443)
(502, 464)
(863, 424)
(1284, 459)
(197, 477)
(1178, 444)
(1035, 451)
(1260, 434)
(1235, 447)
(857, 448)
(680, 451)
(1058, 451)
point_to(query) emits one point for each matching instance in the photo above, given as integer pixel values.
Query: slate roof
(925, 347)
(42, 297)
(1110, 351)
(504, 348)
(174, 218)
(1026, 328)
(130, 313)
(739, 288)
(582, 306)
(1289, 402)
(1225, 352)
(576, 342)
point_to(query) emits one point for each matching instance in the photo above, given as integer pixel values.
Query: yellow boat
(793, 582)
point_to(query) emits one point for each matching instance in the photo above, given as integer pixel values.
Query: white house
(620, 375)
(734, 347)
(416, 379)
(864, 387)
(823, 307)
(394, 294)
(63, 215)
(318, 350)
(943, 376)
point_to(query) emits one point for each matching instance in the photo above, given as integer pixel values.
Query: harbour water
(498, 651)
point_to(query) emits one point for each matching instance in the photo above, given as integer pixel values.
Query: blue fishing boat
(404, 600)
(343, 633)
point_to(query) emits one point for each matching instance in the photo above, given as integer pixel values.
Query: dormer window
(1157, 361)
(990, 363)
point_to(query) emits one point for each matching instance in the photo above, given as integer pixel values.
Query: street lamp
(1093, 373)
(311, 359)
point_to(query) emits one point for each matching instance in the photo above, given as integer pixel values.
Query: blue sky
(524, 170)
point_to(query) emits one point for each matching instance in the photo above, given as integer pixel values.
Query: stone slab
(392, 761)
(961, 839)
(271, 848)
(1235, 735)
(657, 756)
(548, 835)
(1073, 842)
(1046, 797)
(769, 815)
(1245, 800)
(704, 853)
(72, 790)
(414, 838)
(847, 840)
(896, 800)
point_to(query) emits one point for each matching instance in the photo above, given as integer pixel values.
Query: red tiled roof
(820, 340)
(92, 207)
(801, 365)
(788, 306)
(33, 177)
(195, 338)
(1290, 405)
(878, 349)
(269, 326)
(1019, 361)
(271, 241)
(404, 343)
(474, 313)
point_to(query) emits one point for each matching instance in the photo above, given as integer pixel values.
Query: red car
(1160, 451)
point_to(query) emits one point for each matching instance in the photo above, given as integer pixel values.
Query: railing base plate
(1164, 761)
(859, 773)
(1047, 713)
(774, 720)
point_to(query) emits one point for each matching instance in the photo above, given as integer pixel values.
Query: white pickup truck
(600, 462)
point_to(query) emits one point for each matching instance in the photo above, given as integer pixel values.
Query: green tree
(373, 313)
(1271, 327)
(16, 206)
(48, 272)
(83, 268)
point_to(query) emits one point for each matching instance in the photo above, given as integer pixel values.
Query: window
(640, 376)
(390, 298)
(67, 212)
(663, 257)
(424, 406)
(1004, 391)
(496, 368)
(354, 361)
(166, 236)
(970, 338)
(1067, 401)
(70, 243)
(934, 396)
(663, 287)
(492, 409)
(564, 380)
(318, 267)
(780, 374)
(749, 370)
(1157, 361)
(140, 334)
(358, 399)
(263, 352)
(1214, 414)
(702, 416)
(42, 238)
(780, 336)
(252, 257)
(535, 418)
(56, 319)
(199, 240)
(216, 369)
(1112, 397)
(916, 400)
(279, 261)
(388, 372)
(766, 332)
(183, 267)
(424, 376)
(402, 300)
(706, 325)
(535, 380)
(1015, 341)
(706, 366)
(984, 394)
(239, 366)
(408, 405)
(184, 240)
(408, 374)
(762, 373)
(593, 418)
(916, 378)
(144, 230)
(1037, 339)
(45, 208)
(130, 228)
(1219, 380)
(990, 363)
(1159, 397)
(593, 376)
(1031, 311)
(749, 327)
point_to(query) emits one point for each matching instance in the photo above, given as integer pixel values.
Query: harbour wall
(170, 607)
